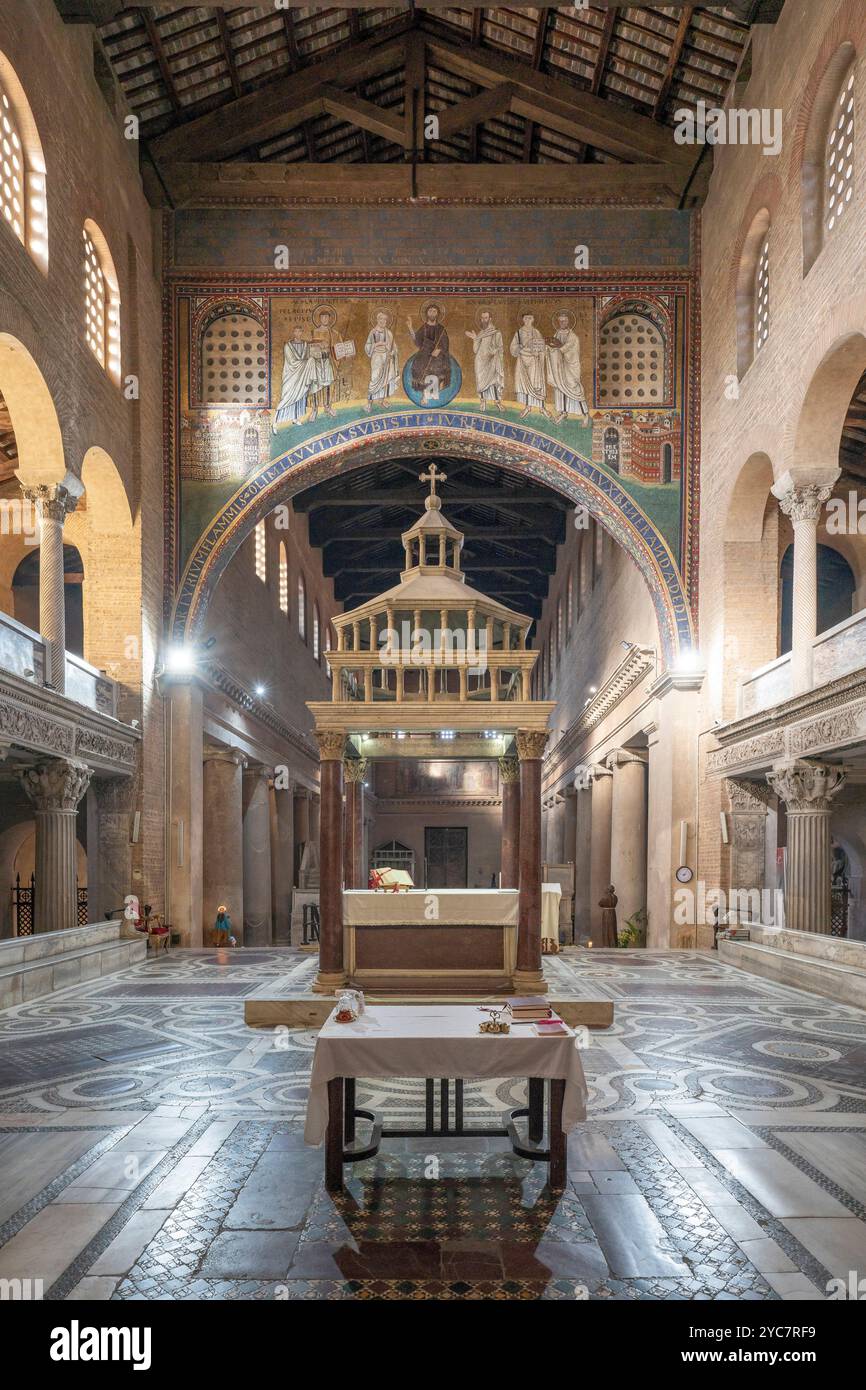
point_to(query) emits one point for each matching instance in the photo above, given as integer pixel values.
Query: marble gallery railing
(79, 723)
(836, 652)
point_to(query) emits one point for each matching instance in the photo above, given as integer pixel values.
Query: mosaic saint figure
(300, 377)
(381, 349)
(489, 360)
(563, 371)
(528, 348)
(432, 360)
(325, 335)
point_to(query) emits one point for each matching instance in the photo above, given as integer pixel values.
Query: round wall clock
(684, 874)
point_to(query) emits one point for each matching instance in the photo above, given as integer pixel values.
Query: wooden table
(441, 1043)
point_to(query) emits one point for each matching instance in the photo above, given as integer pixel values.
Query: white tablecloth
(438, 1040)
(445, 907)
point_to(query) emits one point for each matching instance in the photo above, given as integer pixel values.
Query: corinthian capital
(52, 502)
(331, 744)
(807, 786)
(804, 503)
(58, 785)
(530, 743)
(354, 769)
(509, 768)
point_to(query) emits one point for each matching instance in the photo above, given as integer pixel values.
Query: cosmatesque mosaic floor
(151, 1148)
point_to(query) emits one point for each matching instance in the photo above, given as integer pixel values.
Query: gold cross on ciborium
(433, 477)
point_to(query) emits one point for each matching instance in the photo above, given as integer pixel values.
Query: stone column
(807, 790)
(283, 863)
(301, 817)
(184, 875)
(569, 826)
(628, 832)
(258, 927)
(748, 848)
(55, 789)
(509, 780)
(582, 861)
(803, 505)
(110, 874)
(315, 815)
(222, 837)
(528, 977)
(53, 504)
(332, 975)
(599, 843)
(354, 869)
(672, 737)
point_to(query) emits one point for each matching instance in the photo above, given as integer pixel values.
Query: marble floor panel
(151, 1148)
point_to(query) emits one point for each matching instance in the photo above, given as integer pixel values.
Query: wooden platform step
(282, 1002)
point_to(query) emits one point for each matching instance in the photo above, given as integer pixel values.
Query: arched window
(316, 633)
(633, 366)
(233, 367)
(23, 203)
(302, 608)
(101, 301)
(828, 156)
(284, 579)
(261, 552)
(762, 296)
(753, 291)
(836, 585)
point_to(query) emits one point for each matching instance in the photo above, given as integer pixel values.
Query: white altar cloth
(438, 1040)
(445, 907)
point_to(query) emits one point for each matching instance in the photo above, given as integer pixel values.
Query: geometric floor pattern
(151, 1147)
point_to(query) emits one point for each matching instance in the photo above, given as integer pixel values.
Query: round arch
(825, 404)
(33, 415)
(521, 450)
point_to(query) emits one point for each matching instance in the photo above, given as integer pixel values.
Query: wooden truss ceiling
(511, 525)
(554, 86)
(852, 446)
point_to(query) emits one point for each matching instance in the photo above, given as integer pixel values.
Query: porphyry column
(509, 777)
(55, 788)
(53, 505)
(528, 977)
(332, 975)
(223, 836)
(807, 789)
(354, 770)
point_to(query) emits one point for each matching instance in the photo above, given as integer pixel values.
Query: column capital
(807, 786)
(801, 501)
(619, 757)
(252, 770)
(509, 768)
(219, 753)
(331, 744)
(53, 501)
(746, 796)
(57, 785)
(354, 769)
(531, 744)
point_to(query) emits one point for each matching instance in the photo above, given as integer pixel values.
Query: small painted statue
(608, 903)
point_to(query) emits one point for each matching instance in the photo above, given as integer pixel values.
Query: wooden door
(446, 851)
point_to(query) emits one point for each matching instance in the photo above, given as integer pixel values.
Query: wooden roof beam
(474, 111)
(163, 64)
(363, 113)
(199, 184)
(226, 41)
(270, 110)
(553, 102)
(673, 59)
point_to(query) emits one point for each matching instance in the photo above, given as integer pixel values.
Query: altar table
(440, 1040)
(465, 907)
